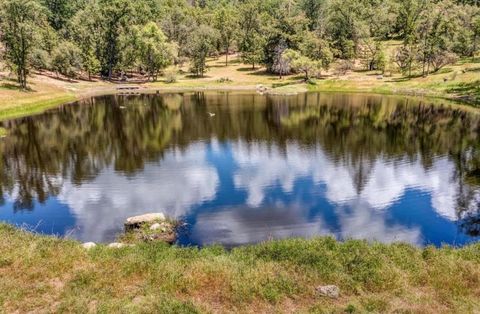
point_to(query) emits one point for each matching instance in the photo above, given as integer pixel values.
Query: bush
(224, 80)
(343, 67)
(67, 59)
(40, 59)
(171, 75)
(442, 59)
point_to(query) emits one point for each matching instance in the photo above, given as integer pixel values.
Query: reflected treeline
(76, 142)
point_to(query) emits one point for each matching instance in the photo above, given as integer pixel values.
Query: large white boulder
(136, 221)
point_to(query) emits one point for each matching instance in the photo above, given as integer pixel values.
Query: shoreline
(128, 237)
(38, 105)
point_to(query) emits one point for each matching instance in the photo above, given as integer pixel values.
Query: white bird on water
(211, 114)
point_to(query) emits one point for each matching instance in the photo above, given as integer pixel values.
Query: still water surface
(263, 167)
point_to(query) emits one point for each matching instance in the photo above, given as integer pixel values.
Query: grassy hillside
(460, 81)
(45, 274)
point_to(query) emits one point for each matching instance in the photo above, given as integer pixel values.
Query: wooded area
(115, 38)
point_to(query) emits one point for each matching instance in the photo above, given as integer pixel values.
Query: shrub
(171, 75)
(224, 80)
(40, 59)
(343, 67)
(67, 59)
(442, 59)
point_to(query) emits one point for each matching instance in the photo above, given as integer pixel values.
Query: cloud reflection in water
(180, 180)
(273, 206)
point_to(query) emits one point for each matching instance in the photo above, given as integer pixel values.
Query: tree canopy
(109, 38)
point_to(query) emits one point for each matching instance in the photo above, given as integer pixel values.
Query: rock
(159, 228)
(156, 226)
(136, 221)
(329, 291)
(89, 245)
(116, 245)
(261, 88)
(164, 236)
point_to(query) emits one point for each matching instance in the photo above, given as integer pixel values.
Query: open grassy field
(45, 274)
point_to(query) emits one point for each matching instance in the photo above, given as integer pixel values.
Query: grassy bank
(35, 106)
(45, 274)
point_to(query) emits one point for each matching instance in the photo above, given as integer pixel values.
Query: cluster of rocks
(147, 227)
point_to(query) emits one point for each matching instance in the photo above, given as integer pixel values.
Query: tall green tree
(227, 24)
(115, 18)
(346, 27)
(313, 9)
(475, 34)
(59, 12)
(155, 52)
(409, 14)
(251, 40)
(436, 33)
(20, 22)
(85, 29)
(200, 45)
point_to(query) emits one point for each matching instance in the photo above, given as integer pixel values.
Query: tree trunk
(22, 79)
(226, 58)
(474, 46)
(423, 63)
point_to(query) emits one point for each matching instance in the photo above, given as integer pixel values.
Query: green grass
(46, 274)
(34, 107)
(469, 91)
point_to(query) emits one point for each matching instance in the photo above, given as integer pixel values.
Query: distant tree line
(113, 38)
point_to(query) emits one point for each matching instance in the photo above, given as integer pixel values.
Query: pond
(242, 168)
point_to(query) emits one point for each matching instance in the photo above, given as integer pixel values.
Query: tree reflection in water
(77, 142)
